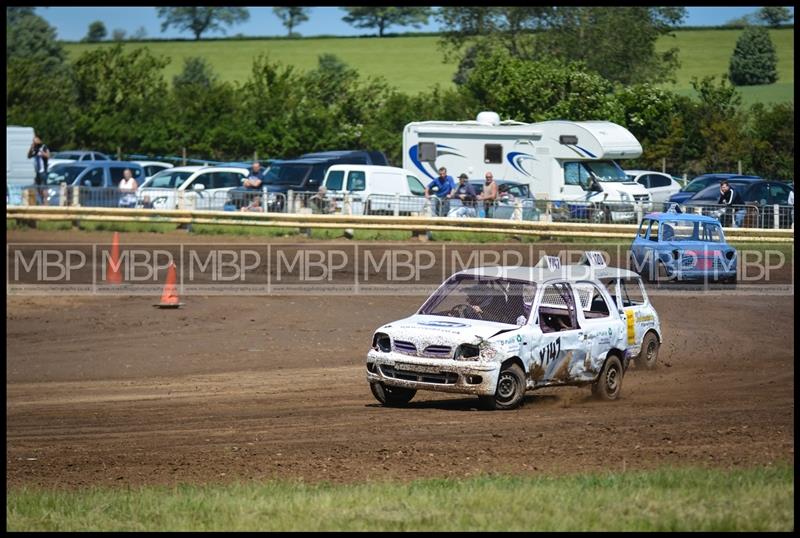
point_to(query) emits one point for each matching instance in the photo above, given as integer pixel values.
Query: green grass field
(414, 63)
(759, 499)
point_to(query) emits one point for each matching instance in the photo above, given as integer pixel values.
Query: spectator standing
(489, 195)
(40, 153)
(255, 176)
(319, 202)
(127, 187)
(729, 198)
(466, 193)
(441, 188)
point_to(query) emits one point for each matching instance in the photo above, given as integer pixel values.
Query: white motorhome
(560, 160)
(19, 168)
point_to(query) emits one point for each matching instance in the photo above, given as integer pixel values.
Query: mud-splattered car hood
(425, 330)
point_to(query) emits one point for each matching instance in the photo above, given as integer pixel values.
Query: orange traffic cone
(169, 298)
(114, 275)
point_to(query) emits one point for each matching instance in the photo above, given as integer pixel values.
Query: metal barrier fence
(773, 216)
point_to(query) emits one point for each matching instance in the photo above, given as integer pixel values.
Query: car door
(563, 346)
(644, 244)
(601, 326)
(631, 298)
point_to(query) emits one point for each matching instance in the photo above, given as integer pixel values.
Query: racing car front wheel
(391, 396)
(609, 382)
(510, 389)
(649, 353)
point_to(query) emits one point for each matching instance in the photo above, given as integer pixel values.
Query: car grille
(442, 378)
(641, 197)
(407, 348)
(438, 351)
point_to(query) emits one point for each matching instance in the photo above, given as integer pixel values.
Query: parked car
(304, 174)
(497, 332)
(151, 168)
(508, 193)
(760, 195)
(701, 182)
(200, 187)
(372, 190)
(674, 246)
(98, 181)
(661, 186)
(61, 157)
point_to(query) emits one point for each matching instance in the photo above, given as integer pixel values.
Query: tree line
(109, 98)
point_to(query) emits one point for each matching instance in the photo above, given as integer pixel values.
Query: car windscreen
(485, 298)
(169, 179)
(606, 170)
(685, 230)
(286, 174)
(63, 174)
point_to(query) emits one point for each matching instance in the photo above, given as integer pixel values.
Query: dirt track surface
(110, 391)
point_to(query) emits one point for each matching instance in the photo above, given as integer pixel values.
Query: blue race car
(675, 246)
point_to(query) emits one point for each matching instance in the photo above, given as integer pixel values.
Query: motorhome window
(356, 181)
(492, 154)
(575, 174)
(426, 152)
(286, 174)
(415, 185)
(335, 180)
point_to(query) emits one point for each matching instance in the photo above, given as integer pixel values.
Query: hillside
(414, 63)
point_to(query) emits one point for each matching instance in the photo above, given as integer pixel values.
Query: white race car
(497, 332)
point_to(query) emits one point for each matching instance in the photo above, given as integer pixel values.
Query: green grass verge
(755, 499)
(397, 59)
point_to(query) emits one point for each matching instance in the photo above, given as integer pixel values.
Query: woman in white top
(128, 186)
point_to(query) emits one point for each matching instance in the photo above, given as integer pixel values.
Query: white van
(375, 190)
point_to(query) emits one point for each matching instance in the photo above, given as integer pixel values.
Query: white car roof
(149, 163)
(640, 172)
(541, 275)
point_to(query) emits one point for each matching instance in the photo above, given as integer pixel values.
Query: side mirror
(198, 187)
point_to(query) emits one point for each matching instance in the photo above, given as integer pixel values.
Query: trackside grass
(754, 499)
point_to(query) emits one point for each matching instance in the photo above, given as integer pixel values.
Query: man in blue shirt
(441, 188)
(255, 176)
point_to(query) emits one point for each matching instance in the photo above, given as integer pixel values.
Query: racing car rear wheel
(391, 396)
(649, 353)
(609, 382)
(510, 389)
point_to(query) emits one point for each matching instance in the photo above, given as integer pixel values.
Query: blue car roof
(727, 176)
(689, 217)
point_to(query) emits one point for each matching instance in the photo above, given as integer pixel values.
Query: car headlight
(468, 352)
(382, 342)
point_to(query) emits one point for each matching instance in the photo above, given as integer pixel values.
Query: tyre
(609, 382)
(648, 355)
(510, 389)
(391, 396)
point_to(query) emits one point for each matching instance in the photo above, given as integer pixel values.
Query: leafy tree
(197, 71)
(291, 16)
(201, 19)
(743, 21)
(30, 37)
(122, 98)
(774, 16)
(771, 130)
(97, 32)
(618, 43)
(538, 90)
(754, 60)
(140, 34)
(384, 17)
(118, 34)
